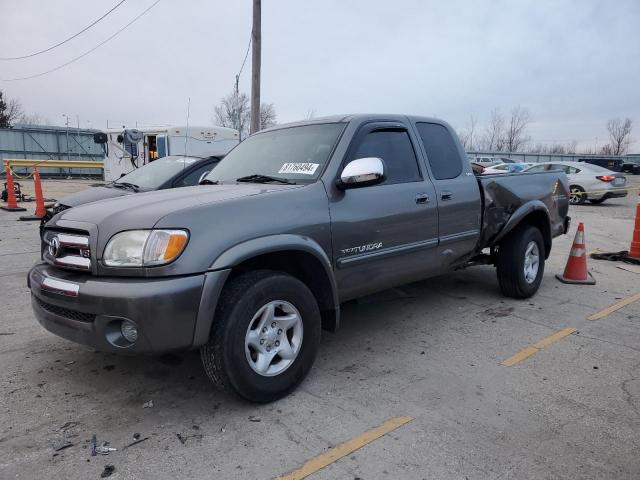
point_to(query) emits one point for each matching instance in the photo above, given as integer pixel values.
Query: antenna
(186, 132)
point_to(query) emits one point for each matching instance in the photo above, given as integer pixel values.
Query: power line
(245, 57)
(64, 41)
(85, 53)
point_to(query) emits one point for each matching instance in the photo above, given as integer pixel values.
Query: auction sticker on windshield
(301, 168)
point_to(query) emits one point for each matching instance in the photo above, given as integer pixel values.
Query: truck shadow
(177, 381)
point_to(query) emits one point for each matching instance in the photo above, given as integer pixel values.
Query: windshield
(154, 174)
(297, 154)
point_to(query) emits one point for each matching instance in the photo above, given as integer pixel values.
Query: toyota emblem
(54, 247)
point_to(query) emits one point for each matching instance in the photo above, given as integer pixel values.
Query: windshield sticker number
(300, 168)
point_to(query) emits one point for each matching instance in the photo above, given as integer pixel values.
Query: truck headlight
(144, 248)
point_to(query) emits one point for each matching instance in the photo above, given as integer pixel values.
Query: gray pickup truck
(250, 266)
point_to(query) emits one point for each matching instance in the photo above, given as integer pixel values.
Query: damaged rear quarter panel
(509, 198)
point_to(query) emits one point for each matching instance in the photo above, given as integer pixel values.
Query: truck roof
(361, 117)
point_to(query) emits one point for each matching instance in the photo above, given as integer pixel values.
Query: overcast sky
(572, 64)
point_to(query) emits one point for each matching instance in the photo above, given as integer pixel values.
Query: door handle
(445, 195)
(422, 198)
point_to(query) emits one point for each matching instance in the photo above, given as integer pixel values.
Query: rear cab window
(442, 151)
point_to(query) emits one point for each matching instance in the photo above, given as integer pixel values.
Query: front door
(384, 234)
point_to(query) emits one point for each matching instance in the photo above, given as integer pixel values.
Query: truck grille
(66, 313)
(69, 250)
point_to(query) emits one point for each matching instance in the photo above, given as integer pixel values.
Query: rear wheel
(520, 262)
(265, 336)
(577, 195)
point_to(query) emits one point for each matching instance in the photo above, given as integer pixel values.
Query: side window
(194, 177)
(537, 168)
(572, 170)
(442, 151)
(395, 149)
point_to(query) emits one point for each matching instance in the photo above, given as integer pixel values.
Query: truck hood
(143, 210)
(92, 194)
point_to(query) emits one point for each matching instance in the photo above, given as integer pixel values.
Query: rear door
(384, 234)
(457, 193)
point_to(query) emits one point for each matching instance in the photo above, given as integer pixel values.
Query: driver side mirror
(361, 172)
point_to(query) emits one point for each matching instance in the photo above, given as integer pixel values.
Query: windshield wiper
(206, 181)
(259, 178)
(130, 186)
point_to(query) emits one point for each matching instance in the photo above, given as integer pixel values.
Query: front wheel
(577, 195)
(265, 336)
(520, 262)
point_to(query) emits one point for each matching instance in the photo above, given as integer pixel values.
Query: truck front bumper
(168, 313)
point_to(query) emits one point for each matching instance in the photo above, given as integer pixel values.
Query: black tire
(511, 260)
(597, 201)
(577, 195)
(224, 358)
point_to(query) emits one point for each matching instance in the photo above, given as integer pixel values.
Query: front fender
(270, 244)
(283, 243)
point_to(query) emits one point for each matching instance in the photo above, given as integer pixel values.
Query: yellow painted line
(615, 307)
(345, 448)
(536, 347)
(520, 356)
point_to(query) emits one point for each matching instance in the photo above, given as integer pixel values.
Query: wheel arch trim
(533, 207)
(221, 268)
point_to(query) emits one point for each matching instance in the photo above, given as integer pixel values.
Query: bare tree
(463, 136)
(467, 136)
(554, 148)
(10, 111)
(33, 119)
(515, 137)
(588, 151)
(4, 117)
(493, 138)
(606, 149)
(619, 135)
(267, 115)
(234, 112)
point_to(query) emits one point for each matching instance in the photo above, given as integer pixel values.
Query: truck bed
(506, 195)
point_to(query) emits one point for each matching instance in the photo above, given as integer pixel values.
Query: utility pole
(256, 36)
(78, 135)
(67, 124)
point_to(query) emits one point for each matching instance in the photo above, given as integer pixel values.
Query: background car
(477, 168)
(167, 172)
(613, 164)
(631, 165)
(587, 181)
(486, 161)
(506, 168)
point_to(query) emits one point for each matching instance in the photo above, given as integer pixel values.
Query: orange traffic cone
(37, 187)
(12, 205)
(576, 269)
(634, 249)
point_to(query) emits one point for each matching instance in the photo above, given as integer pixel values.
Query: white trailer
(127, 149)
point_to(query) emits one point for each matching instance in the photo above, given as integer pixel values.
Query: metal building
(51, 143)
